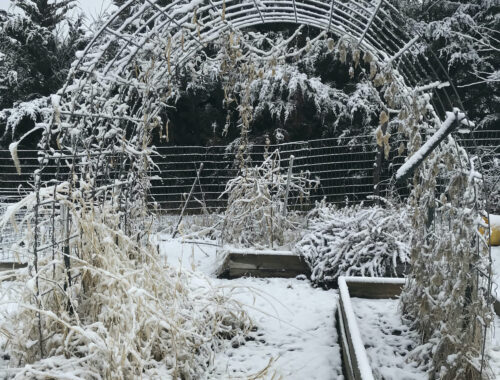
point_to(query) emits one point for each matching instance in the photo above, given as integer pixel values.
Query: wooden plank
(374, 290)
(11, 265)
(346, 357)
(358, 357)
(364, 288)
(353, 371)
(263, 265)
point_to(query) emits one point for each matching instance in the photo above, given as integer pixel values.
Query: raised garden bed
(356, 359)
(375, 342)
(11, 265)
(268, 263)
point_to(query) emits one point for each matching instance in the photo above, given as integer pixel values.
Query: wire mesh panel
(344, 167)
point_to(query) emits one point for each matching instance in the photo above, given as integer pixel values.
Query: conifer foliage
(38, 40)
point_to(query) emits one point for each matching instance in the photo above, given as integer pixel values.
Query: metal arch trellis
(105, 86)
(373, 26)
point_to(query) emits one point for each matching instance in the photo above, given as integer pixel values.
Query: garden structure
(92, 189)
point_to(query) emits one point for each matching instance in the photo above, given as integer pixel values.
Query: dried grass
(124, 316)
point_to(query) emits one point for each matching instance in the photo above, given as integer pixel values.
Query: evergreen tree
(36, 55)
(37, 47)
(466, 37)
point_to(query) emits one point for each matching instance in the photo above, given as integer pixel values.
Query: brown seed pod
(331, 44)
(384, 118)
(356, 56)
(367, 57)
(373, 69)
(342, 52)
(379, 136)
(401, 148)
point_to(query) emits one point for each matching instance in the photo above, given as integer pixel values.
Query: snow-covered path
(296, 337)
(296, 332)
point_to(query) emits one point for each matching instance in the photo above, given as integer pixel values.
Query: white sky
(91, 8)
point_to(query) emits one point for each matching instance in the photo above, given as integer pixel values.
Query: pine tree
(34, 54)
(466, 36)
(37, 47)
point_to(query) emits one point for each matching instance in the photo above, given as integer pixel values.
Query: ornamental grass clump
(115, 312)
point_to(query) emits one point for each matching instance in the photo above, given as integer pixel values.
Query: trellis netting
(116, 95)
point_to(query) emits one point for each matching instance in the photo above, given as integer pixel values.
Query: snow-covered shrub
(356, 240)
(492, 185)
(33, 111)
(446, 297)
(256, 214)
(118, 312)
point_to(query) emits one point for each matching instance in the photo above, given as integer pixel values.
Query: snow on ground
(494, 348)
(194, 255)
(296, 326)
(387, 339)
(295, 334)
(295, 337)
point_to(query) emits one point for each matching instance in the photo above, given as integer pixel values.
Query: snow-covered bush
(256, 214)
(446, 297)
(492, 185)
(117, 313)
(33, 111)
(356, 240)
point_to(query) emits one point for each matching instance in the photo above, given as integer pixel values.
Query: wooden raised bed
(251, 263)
(354, 354)
(11, 265)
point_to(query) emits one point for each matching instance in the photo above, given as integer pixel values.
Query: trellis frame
(375, 27)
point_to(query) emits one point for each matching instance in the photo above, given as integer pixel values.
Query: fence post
(290, 168)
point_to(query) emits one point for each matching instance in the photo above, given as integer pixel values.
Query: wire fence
(344, 167)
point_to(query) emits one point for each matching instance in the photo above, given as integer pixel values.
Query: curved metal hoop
(374, 26)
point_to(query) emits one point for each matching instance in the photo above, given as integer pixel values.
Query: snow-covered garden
(397, 279)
